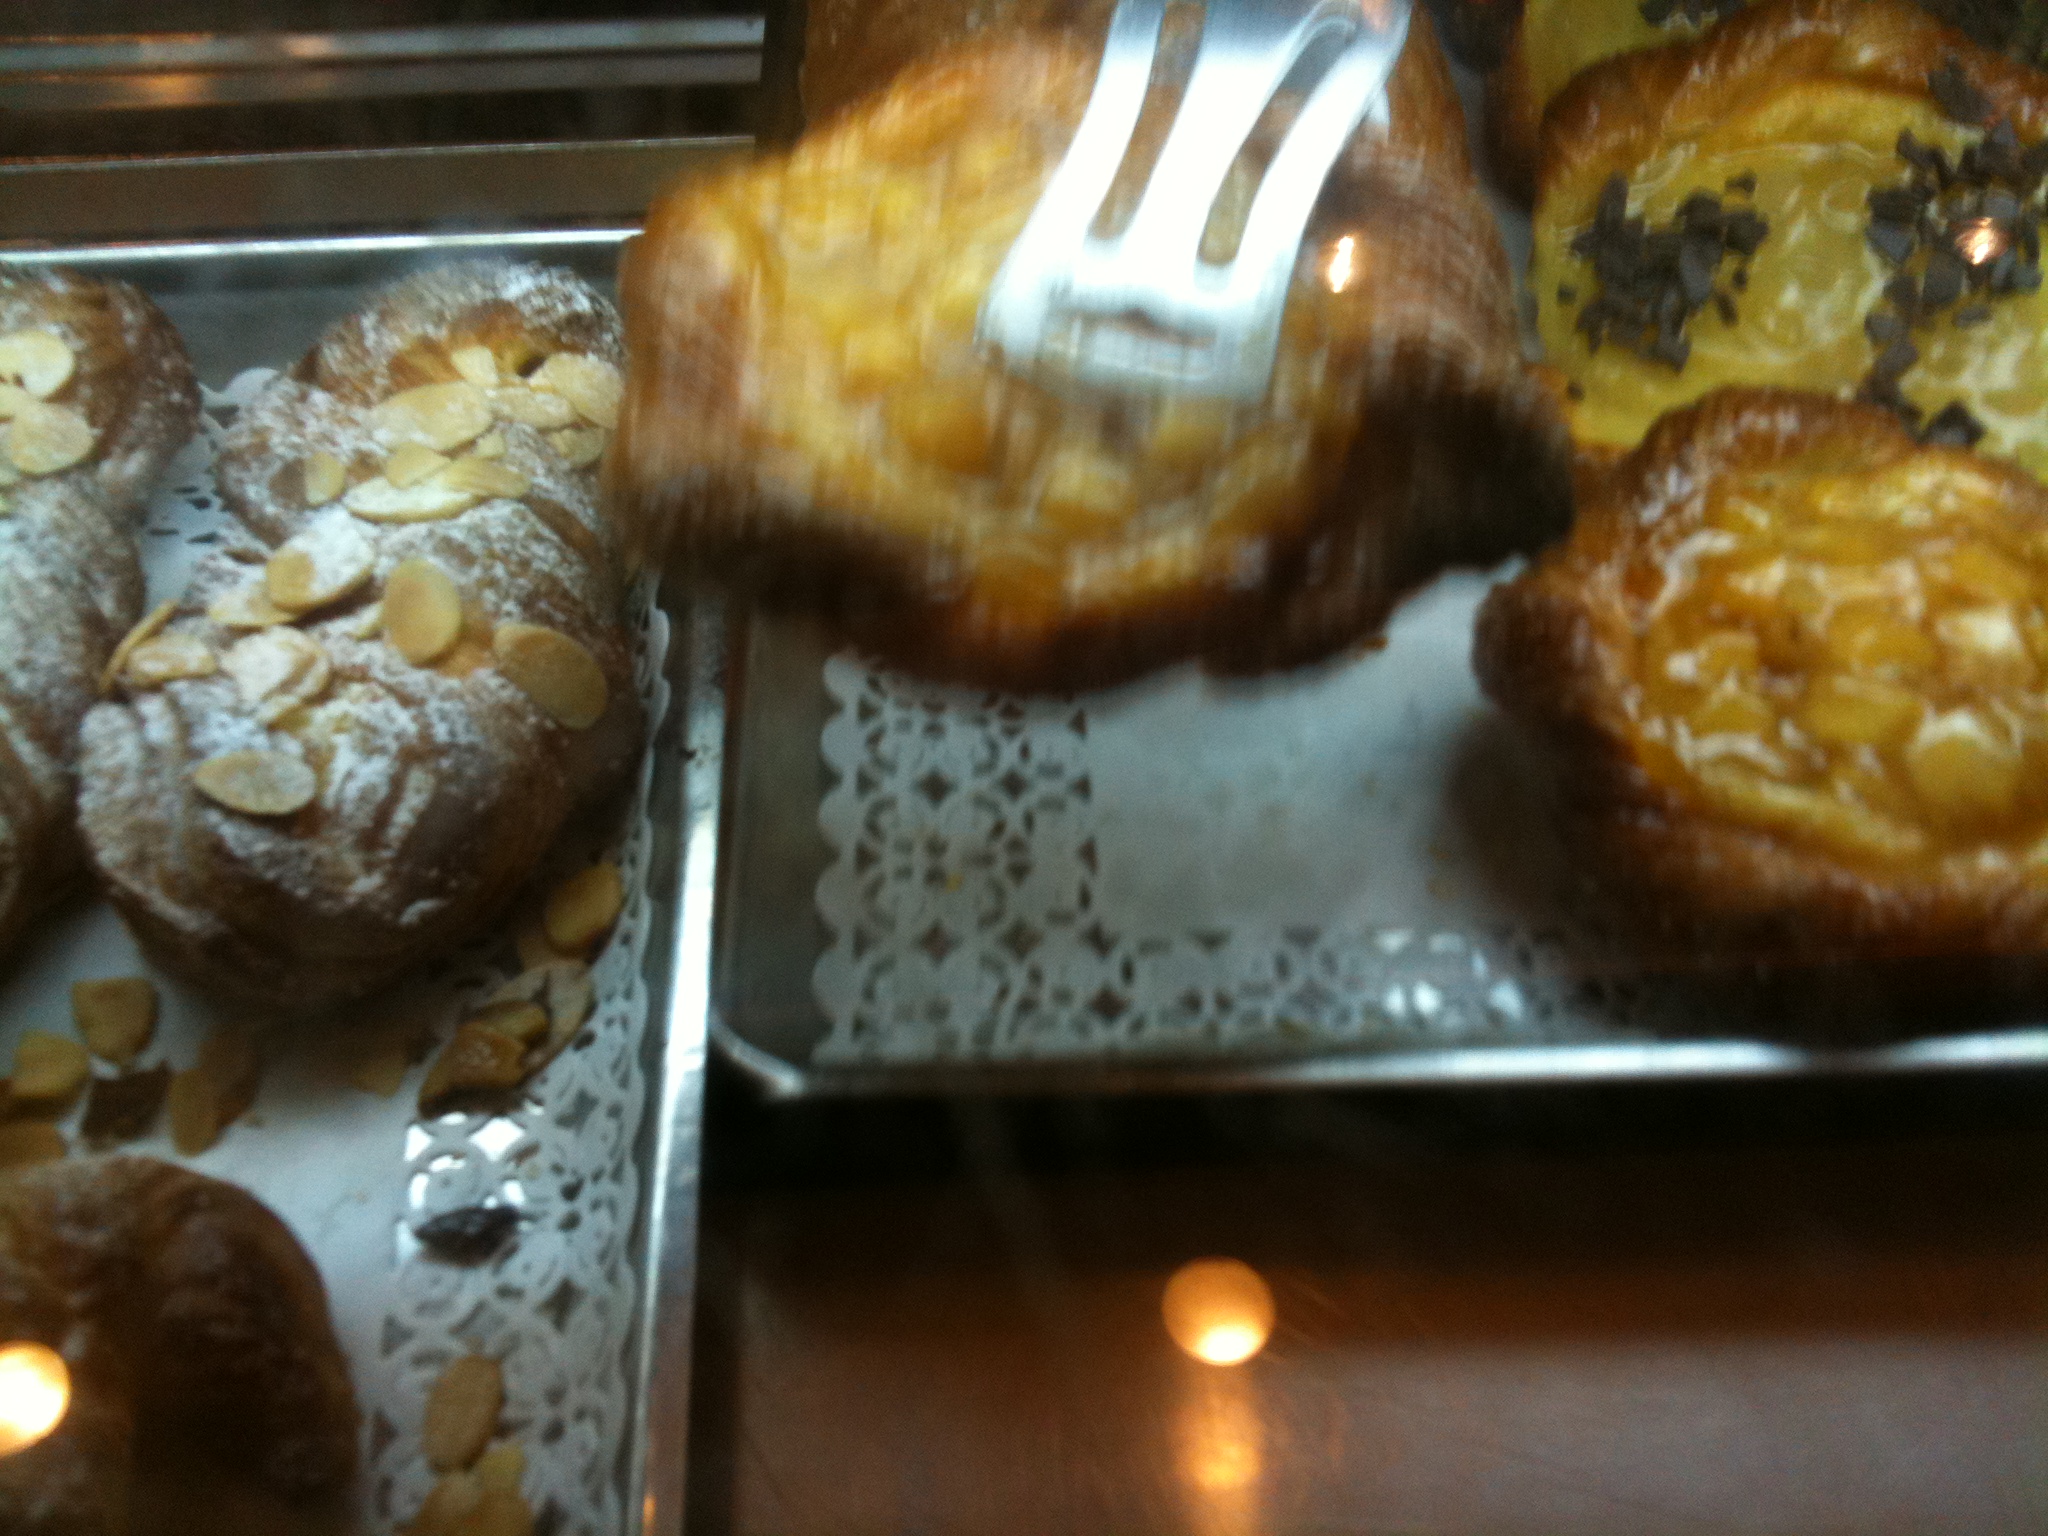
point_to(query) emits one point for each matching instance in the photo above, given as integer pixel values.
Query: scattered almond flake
(462, 1412)
(229, 1057)
(443, 416)
(39, 361)
(582, 909)
(256, 782)
(277, 670)
(422, 611)
(194, 1106)
(319, 565)
(25, 1143)
(324, 476)
(152, 624)
(411, 463)
(49, 1070)
(12, 398)
(453, 1507)
(116, 1015)
(590, 384)
(524, 1022)
(490, 446)
(247, 607)
(43, 439)
(168, 658)
(532, 408)
(379, 501)
(554, 671)
(476, 365)
(486, 477)
(580, 446)
(476, 1059)
(502, 1467)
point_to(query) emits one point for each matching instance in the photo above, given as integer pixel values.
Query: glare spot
(1218, 1310)
(35, 1389)
(1343, 264)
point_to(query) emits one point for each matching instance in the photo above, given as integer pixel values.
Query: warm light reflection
(1218, 1310)
(1343, 264)
(35, 1389)
(1979, 241)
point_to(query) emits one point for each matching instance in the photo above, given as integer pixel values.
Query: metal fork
(1142, 309)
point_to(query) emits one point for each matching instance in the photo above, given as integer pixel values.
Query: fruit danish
(808, 418)
(95, 397)
(1836, 195)
(1793, 665)
(348, 746)
(194, 1328)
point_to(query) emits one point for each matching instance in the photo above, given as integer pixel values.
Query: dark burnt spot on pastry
(1694, 13)
(1652, 281)
(1967, 230)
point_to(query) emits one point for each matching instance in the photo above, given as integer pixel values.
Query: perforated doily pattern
(556, 1308)
(1019, 879)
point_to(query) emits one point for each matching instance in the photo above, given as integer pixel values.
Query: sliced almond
(193, 1104)
(443, 416)
(422, 611)
(152, 624)
(320, 565)
(502, 1468)
(554, 671)
(524, 1022)
(531, 407)
(247, 607)
(324, 477)
(377, 500)
(366, 623)
(450, 1508)
(49, 1070)
(476, 365)
(116, 1015)
(12, 398)
(168, 658)
(564, 989)
(230, 1058)
(462, 1412)
(490, 446)
(411, 463)
(590, 384)
(498, 1513)
(39, 361)
(486, 477)
(476, 1059)
(583, 908)
(580, 446)
(44, 438)
(257, 783)
(277, 670)
(26, 1143)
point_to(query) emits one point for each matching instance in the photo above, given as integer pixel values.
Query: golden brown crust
(441, 784)
(1514, 120)
(1452, 454)
(70, 577)
(1557, 648)
(193, 1324)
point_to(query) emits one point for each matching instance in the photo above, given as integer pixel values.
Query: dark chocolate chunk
(1567, 294)
(1953, 426)
(1745, 183)
(1956, 94)
(1943, 281)
(469, 1235)
(1894, 242)
(1972, 314)
(1744, 231)
(2026, 277)
(1903, 292)
(1895, 359)
(124, 1108)
(1920, 156)
(1883, 327)
(1698, 261)
(1900, 204)
(1725, 308)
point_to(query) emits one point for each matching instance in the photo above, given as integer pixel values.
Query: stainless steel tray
(245, 303)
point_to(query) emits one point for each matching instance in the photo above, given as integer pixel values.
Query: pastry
(194, 1328)
(808, 419)
(1835, 195)
(1793, 667)
(356, 736)
(95, 397)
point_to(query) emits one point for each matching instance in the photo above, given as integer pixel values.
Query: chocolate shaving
(1744, 184)
(1956, 94)
(1653, 281)
(1953, 427)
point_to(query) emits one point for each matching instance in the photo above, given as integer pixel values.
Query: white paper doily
(352, 1174)
(1341, 858)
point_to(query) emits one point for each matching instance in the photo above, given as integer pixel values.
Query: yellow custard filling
(1816, 149)
(1854, 658)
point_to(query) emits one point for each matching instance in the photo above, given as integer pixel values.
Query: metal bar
(439, 77)
(185, 252)
(214, 51)
(75, 202)
(659, 1446)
